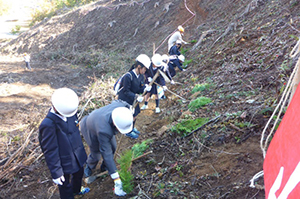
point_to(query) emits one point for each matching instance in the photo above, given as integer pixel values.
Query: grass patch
(186, 126)
(200, 87)
(199, 102)
(139, 148)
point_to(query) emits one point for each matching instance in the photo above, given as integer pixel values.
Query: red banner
(282, 162)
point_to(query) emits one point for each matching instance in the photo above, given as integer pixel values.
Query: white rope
(256, 176)
(295, 50)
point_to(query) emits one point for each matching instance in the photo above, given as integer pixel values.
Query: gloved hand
(59, 181)
(172, 82)
(183, 70)
(119, 188)
(148, 87)
(165, 88)
(139, 98)
(149, 79)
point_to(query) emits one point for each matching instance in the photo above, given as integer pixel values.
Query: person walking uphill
(61, 144)
(99, 129)
(153, 69)
(176, 36)
(133, 84)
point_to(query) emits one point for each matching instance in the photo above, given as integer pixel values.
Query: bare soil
(247, 68)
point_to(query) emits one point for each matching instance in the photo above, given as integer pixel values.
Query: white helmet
(178, 42)
(165, 58)
(144, 59)
(181, 58)
(157, 60)
(123, 119)
(180, 28)
(65, 101)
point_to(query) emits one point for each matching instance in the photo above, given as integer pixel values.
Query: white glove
(59, 181)
(148, 88)
(119, 188)
(172, 82)
(149, 79)
(165, 88)
(139, 98)
(183, 70)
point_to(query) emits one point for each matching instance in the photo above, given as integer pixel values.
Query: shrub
(124, 172)
(200, 87)
(199, 102)
(139, 148)
(186, 126)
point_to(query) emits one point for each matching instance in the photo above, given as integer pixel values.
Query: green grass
(200, 87)
(139, 148)
(199, 102)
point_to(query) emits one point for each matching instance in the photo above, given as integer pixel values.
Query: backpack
(118, 86)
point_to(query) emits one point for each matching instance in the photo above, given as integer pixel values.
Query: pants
(28, 65)
(72, 185)
(95, 154)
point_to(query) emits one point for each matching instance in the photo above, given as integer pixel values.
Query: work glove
(165, 88)
(119, 188)
(148, 87)
(183, 70)
(59, 181)
(139, 98)
(172, 82)
(149, 79)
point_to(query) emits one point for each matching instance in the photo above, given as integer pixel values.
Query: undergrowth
(186, 126)
(199, 102)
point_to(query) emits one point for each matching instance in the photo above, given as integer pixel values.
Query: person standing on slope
(99, 129)
(176, 36)
(61, 144)
(132, 85)
(153, 69)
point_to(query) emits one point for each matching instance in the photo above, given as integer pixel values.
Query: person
(176, 62)
(27, 60)
(61, 144)
(150, 73)
(166, 66)
(174, 51)
(99, 129)
(132, 85)
(176, 36)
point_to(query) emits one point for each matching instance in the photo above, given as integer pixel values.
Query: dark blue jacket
(176, 62)
(151, 73)
(131, 85)
(174, 50)
(62, 145)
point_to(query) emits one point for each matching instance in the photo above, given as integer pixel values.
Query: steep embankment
(240, 54)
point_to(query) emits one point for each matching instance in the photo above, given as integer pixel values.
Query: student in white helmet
(156, 65)
(132, 85)
(99, 129)
(176, 36)
(61, 144)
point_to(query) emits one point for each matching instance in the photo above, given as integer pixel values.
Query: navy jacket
(176, 62)
(98, 131)
(132, 85)
(174, 50)
(151, 72)
(62, 145)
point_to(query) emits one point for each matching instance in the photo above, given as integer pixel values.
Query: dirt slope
(243, 56)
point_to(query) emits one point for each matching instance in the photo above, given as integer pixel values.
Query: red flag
(282, 162)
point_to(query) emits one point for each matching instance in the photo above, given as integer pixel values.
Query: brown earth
(246, 64)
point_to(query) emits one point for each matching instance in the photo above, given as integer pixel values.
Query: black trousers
(72, 185)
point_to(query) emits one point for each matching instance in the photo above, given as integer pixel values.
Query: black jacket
(62, 145)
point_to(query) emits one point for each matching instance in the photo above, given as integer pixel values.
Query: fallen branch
(203, 35)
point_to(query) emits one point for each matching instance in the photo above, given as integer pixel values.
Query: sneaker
(157, 110)
(87, 171)
(83, 191)
(132, 134)
(136, 131)
(144, 107)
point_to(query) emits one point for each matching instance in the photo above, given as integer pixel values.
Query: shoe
(83, 191)
(87, 171)
(144, 107)
(157, 110)
(132, 134)
(136, 131)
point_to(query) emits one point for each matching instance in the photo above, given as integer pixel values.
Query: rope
(256, 176)
(294, 52)
(193, 15)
